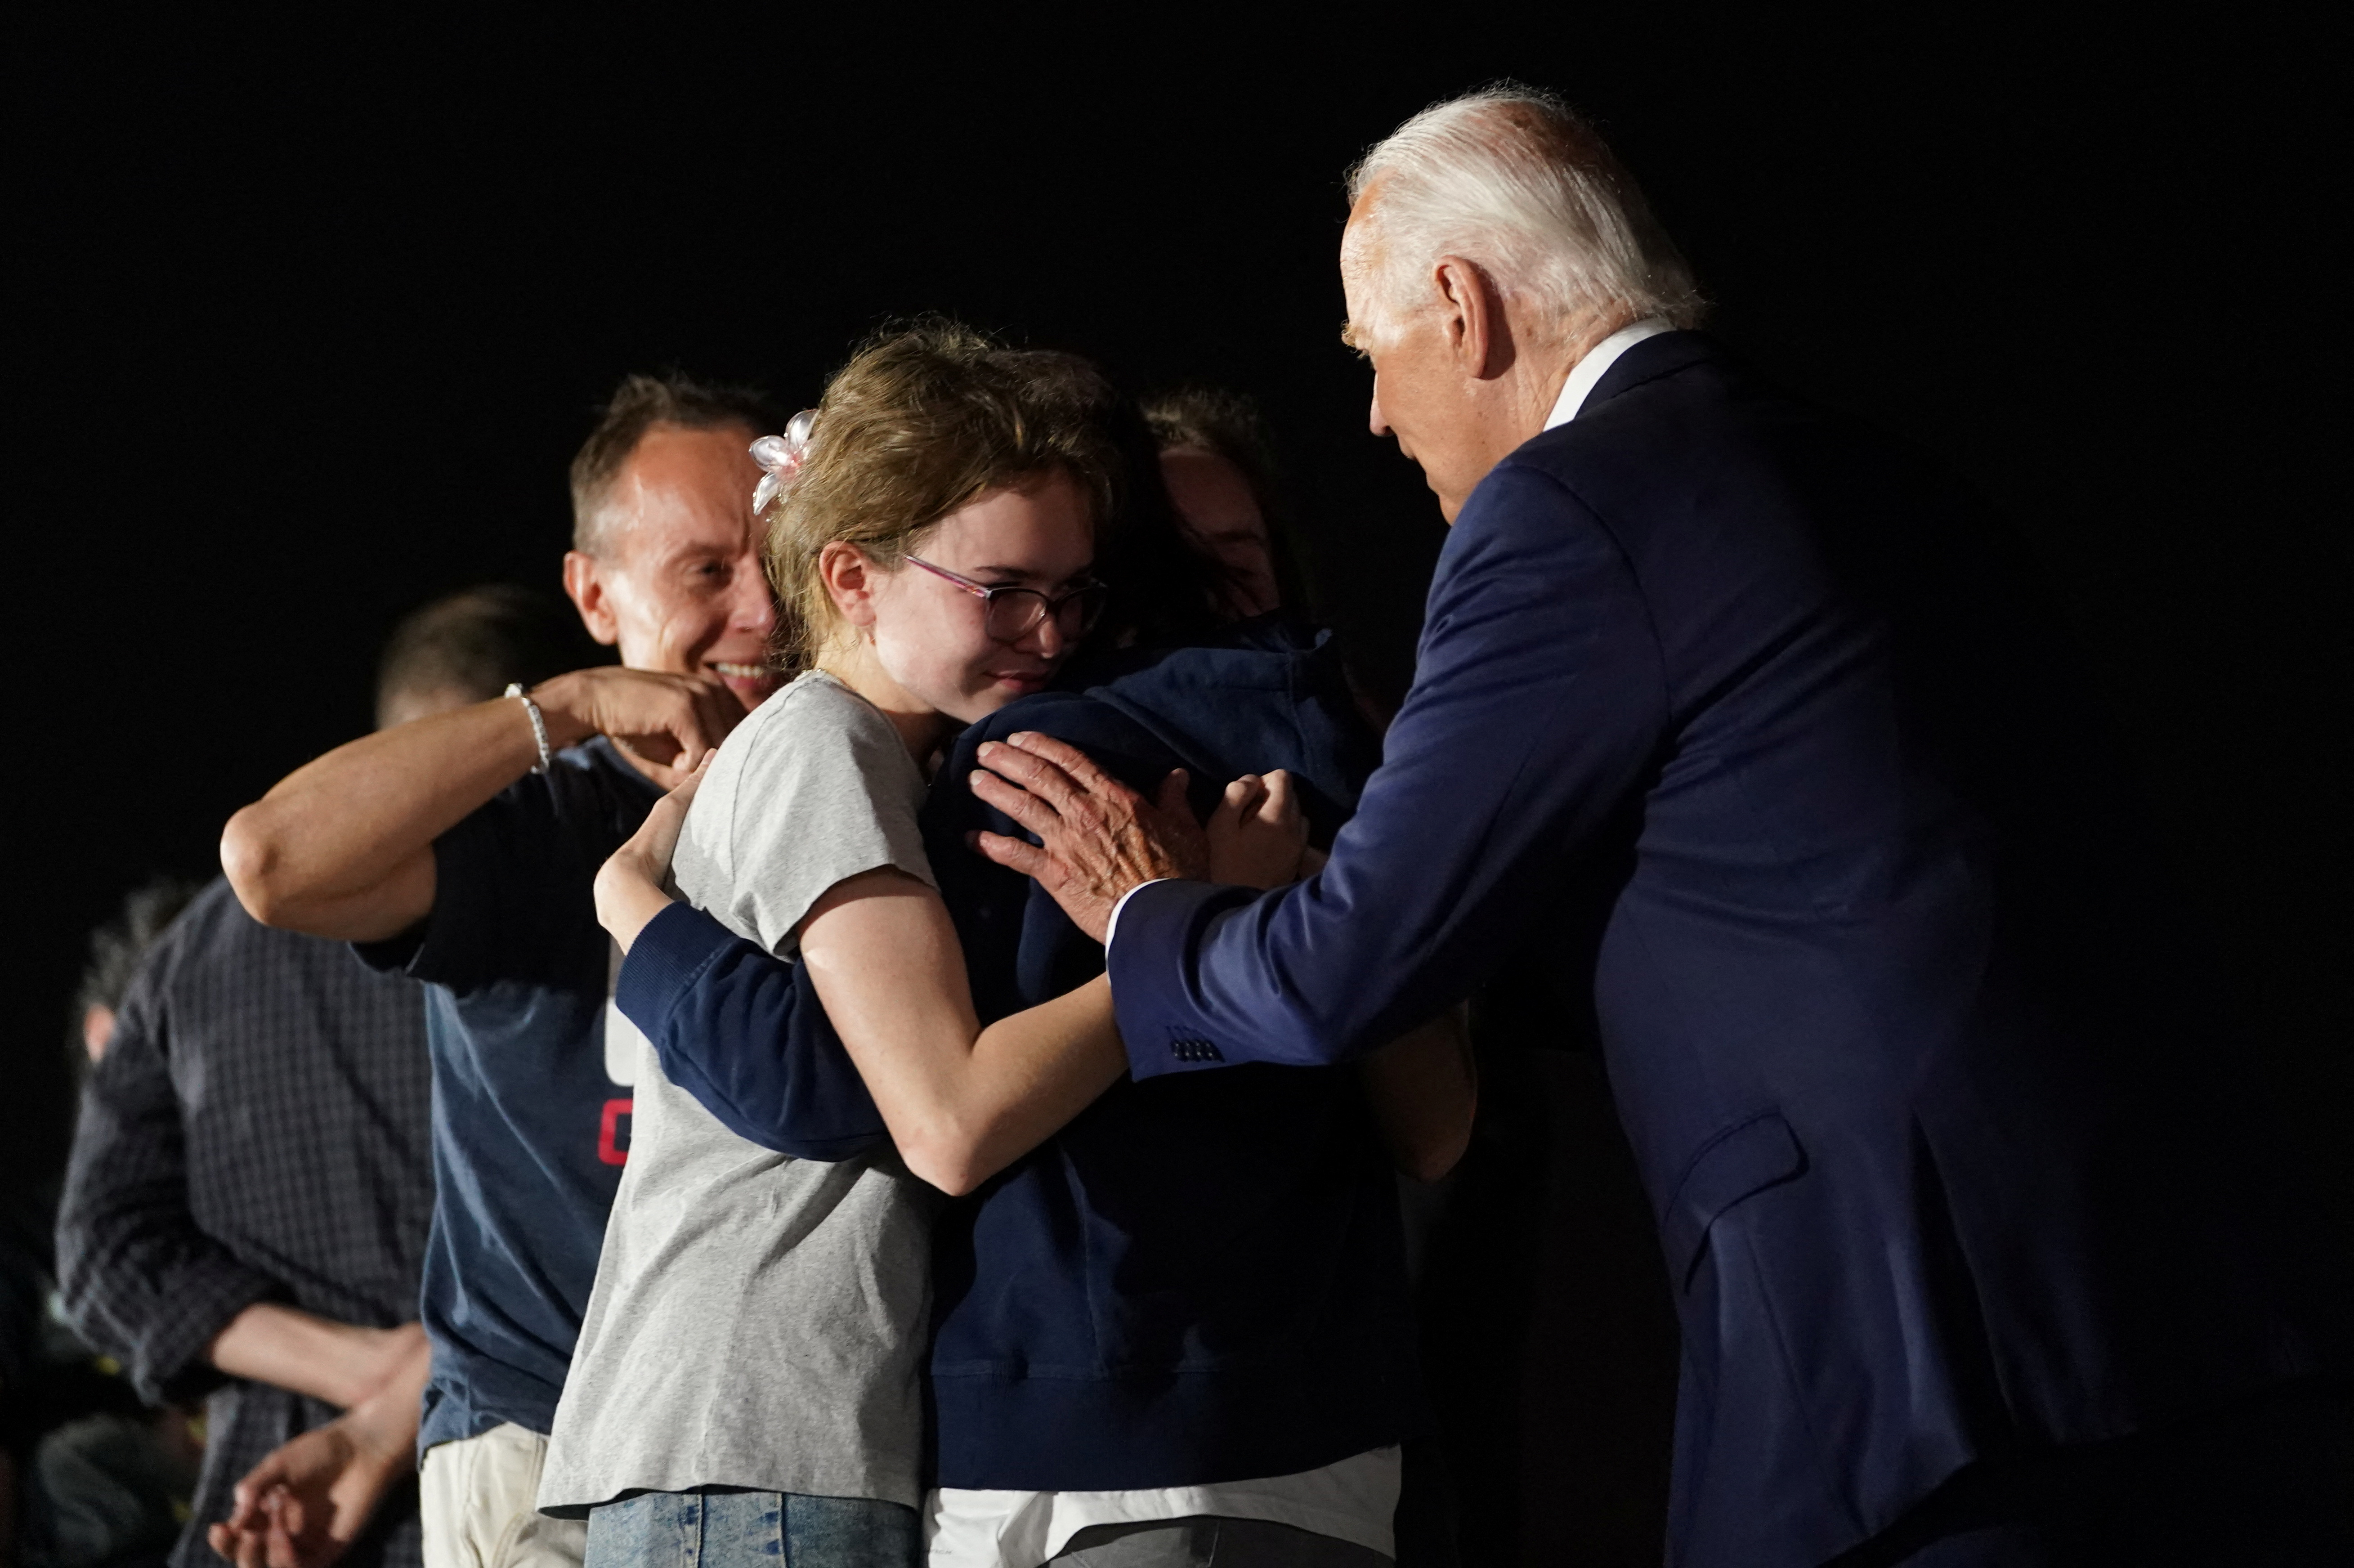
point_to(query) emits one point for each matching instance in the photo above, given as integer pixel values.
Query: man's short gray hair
(1511, 179)
(639, 405)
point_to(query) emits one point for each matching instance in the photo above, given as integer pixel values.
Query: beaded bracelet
(538, 725)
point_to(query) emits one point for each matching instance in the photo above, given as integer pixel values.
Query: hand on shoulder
(664, 722)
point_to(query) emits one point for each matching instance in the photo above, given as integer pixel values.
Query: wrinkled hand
(664, 722)
(630, 886)
(1258, 836)
(1098, 837)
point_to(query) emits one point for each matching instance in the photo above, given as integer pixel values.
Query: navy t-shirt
(531, 1103)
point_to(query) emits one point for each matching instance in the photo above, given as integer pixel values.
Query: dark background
(309, 318)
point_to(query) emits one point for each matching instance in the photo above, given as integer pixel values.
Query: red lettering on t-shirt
(613, 1133)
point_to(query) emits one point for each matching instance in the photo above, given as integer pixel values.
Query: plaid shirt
(258, 1130)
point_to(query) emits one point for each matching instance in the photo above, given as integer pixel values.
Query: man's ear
(849, 579)
(584, 581)
(1473, 315)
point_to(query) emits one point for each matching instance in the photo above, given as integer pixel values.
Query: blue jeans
(727, 1529)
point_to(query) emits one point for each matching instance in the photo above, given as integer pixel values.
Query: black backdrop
(309, 316)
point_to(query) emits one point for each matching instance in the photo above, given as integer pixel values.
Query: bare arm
(961, 1102)
(337, 1364)
(344, 847)
(1424, 1089)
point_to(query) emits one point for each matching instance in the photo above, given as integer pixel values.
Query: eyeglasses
(1010, 614)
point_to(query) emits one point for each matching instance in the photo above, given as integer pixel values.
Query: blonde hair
(924, 419)
(1512, 179)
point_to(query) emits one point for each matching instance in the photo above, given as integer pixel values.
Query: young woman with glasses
(748, 1368)
(749, 1381)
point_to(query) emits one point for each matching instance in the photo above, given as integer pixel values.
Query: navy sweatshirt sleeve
(744, 1033)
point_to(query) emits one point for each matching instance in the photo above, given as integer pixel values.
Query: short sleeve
(817, 792)
(514, 879)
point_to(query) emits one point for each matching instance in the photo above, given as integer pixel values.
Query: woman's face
(1215, 503)
(929, 633)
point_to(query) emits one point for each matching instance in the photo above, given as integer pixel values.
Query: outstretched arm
(344, 847)
(1539, 706)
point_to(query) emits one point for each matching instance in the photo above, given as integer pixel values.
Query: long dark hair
(1229, 425)
(1163, 592)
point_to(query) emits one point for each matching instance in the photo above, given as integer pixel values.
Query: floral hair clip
(780, 458)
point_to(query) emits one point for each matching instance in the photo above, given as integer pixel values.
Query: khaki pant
(478, 1499)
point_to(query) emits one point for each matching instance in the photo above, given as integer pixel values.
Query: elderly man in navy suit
(1751, 718)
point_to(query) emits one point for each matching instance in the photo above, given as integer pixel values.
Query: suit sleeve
(744, 1033)
(141, 1280)
(1538, 709)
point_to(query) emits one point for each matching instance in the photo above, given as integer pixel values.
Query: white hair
(1513, 180)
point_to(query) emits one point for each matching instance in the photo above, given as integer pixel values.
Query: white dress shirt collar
(1588, 371)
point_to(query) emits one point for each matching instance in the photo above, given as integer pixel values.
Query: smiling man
(459, 849)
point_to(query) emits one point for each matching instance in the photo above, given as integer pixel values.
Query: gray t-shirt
(758, 1321)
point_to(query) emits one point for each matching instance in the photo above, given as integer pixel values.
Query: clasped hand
(1099, 839)
(305, 1503)
(664, 722)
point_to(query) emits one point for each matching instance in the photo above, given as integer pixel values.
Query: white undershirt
(1584, 376)
(1588, 371)
(1354, 1501)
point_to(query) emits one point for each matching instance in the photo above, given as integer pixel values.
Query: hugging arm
(872, 1032)
(1423, 1090)
(870, 1035)
(962, 1102)
(745, 1033)
(1539, 703)
(737, 1028)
